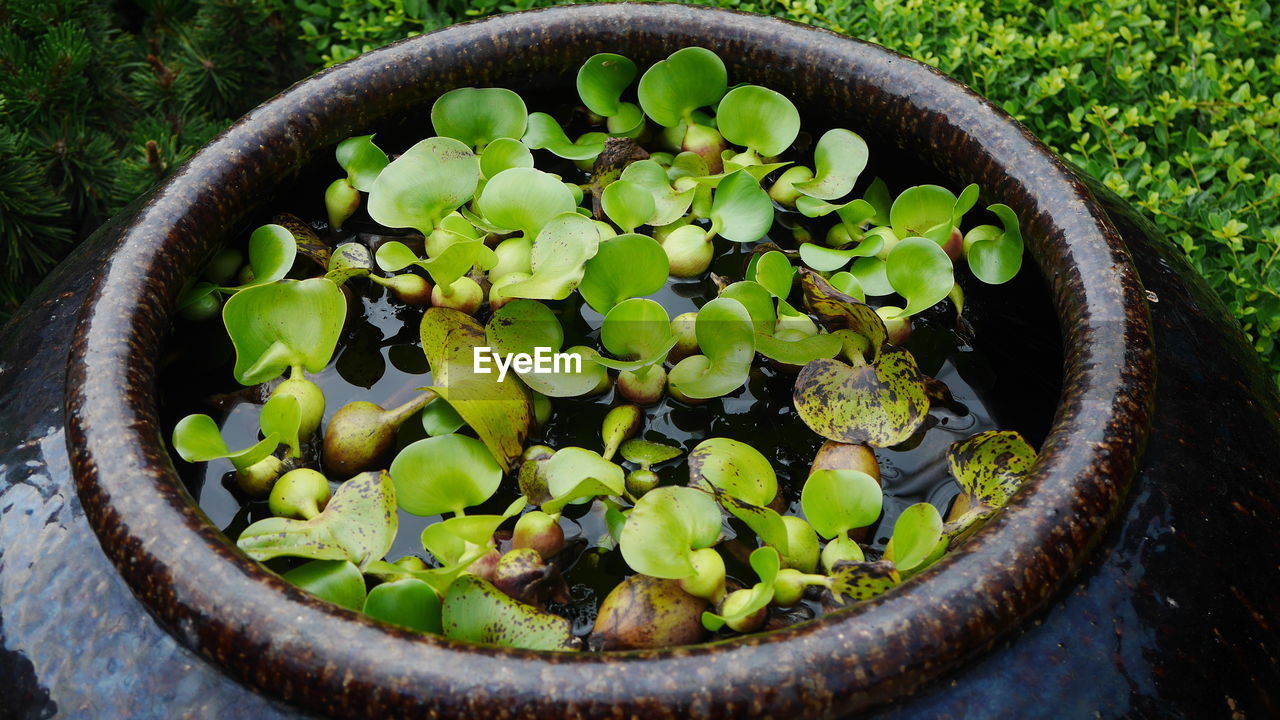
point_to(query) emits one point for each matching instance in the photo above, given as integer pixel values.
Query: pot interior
(1012, 374)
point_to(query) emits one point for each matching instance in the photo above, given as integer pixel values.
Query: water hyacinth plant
(682, 252)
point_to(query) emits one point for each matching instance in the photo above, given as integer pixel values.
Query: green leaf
(923, 211)
(877, 195)
(734, 467)
(545, 133)
(454, 262)
(855, 582)
(726, 337)
(272, 249)
(362, 160)
(798, 351)
(281, 418)
(665, 527)
(669, 203)
(559, 257)
(399, 198)
(337, 581)
(764, 522)
(282, 324)
(627, 204)
(460, 540)
(574, 379)
(759, 118)
(349, 260)
(825, 259)
(627, 122)
(766, 563)
(837, 501)
(991, 466)
(638, 331)
(775, 274)
(478, 116)
(500, 413)
(759, 304)
(520, 326)
(916, 537)
(358, 524)
(870, 274)
(839, 158)
(995, 255)
(504, 154)
(919, 270)
(879, 404)
(574, 474)
(601, 81)
(409, 603)
(439, 418)
(741, 210)
(443, 474)
(624, 267)
(645, 453)
(524, 199)
(477, 612)
(688, 79)
(848, 284)
(196, 438)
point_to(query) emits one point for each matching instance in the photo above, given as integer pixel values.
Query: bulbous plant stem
(361, 433)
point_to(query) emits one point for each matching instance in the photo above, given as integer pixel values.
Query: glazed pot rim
(286, 642)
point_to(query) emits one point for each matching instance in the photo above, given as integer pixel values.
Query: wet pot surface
(1128, 633)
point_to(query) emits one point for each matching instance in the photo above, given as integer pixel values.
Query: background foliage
(1174, 105)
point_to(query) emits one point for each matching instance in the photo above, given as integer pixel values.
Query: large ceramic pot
(1108, 613)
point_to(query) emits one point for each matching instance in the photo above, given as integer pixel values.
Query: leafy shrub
(98, 101)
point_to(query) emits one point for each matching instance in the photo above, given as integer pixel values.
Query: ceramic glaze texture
(260, 630)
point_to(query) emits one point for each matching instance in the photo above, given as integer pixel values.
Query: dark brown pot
(285, 643)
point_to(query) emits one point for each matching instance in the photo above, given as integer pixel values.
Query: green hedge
(1174, 106)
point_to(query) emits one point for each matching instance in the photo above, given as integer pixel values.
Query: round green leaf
(638, 331)
(569, 466)
(775, 274)
(272, 249)
(559, 257)
(669, 204)
(579, 375)
(285, 323)
(919, 270)
(524, 199)
(870, 272)
(626, 266)
(688, 79)
(408, 603)
(545, 133)
(665, 527)
(196, 438)
(995, 255)
(726, 337)
(759, 118)
(758, 301)
(734, 467)
(916, 536)
(478, 116)
(766, 563)
(628, 205)
(839, 158)
(442, 474)
(837, 501)
(337, 581)
(439, 418)
(504, 154)
(741, 210)
(601, 80)
(362, 160)
(923, 211)
(430, 180)
(349, 260)
(520, 326)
